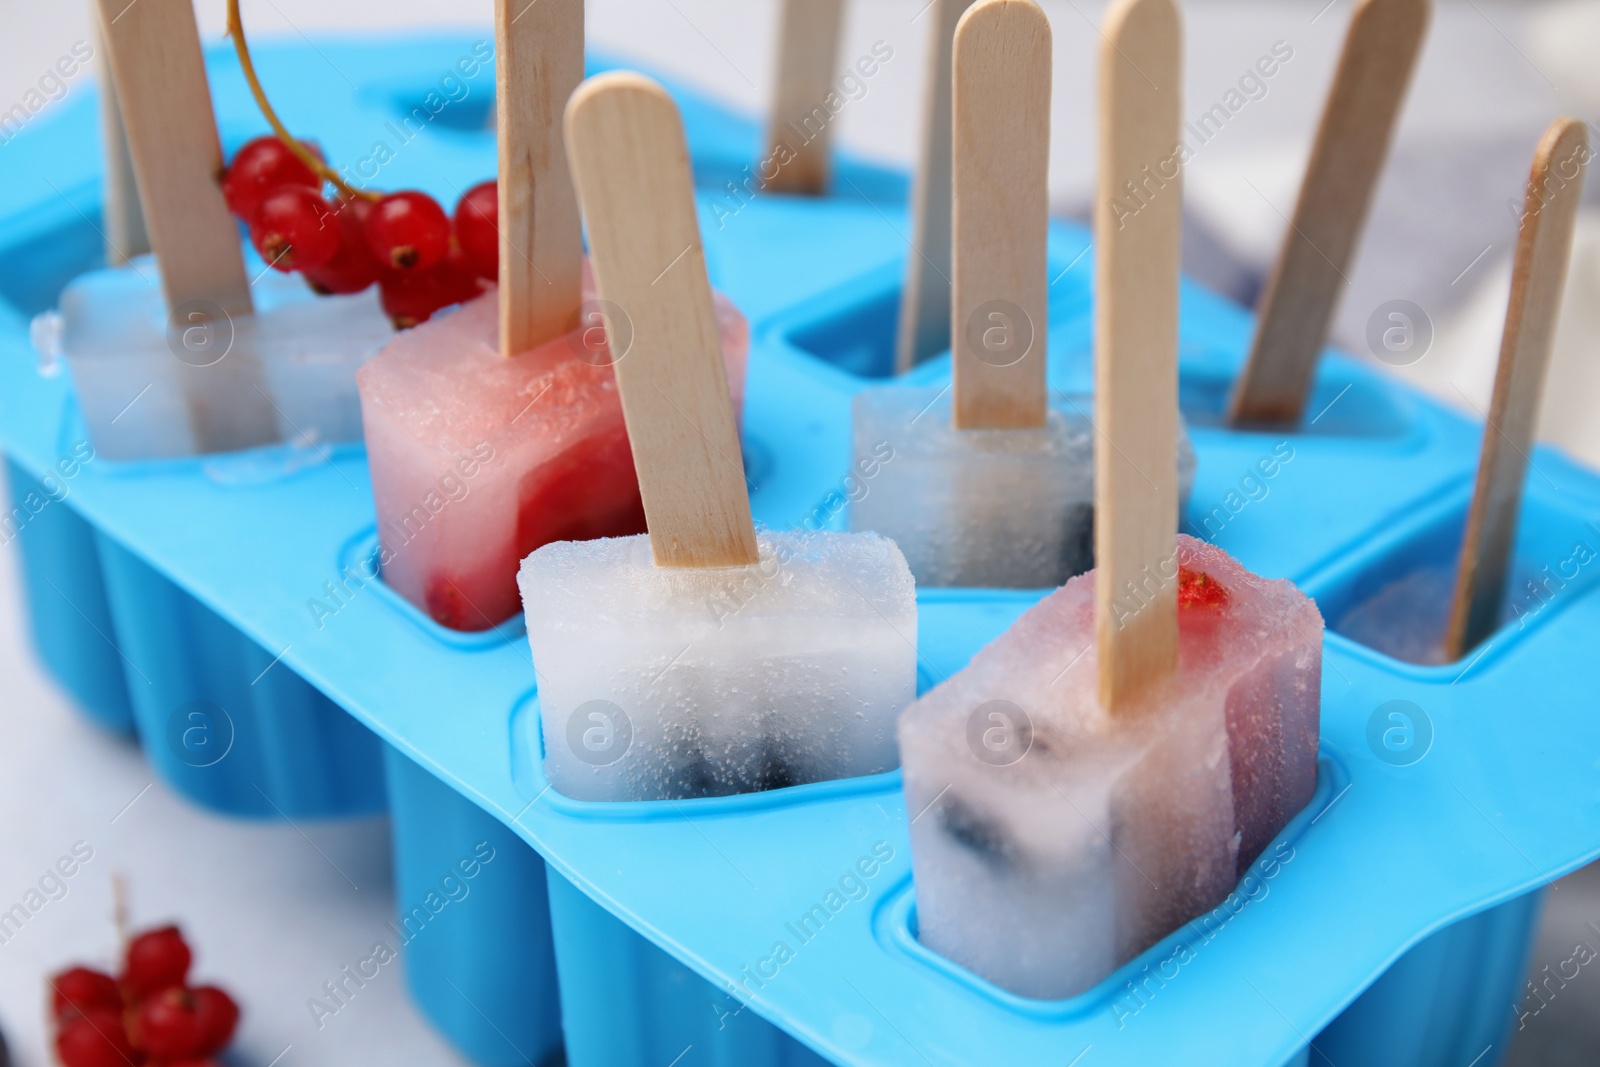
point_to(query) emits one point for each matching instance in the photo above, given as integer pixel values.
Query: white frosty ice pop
(706, 658)
(1103, 771)
(182, 355)
(991, 483)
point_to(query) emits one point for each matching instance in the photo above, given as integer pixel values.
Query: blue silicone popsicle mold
(665, 921)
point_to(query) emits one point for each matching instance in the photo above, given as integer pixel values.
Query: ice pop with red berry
(496, 428)
(1104, 770)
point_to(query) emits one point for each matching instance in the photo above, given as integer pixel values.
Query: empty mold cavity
(419, 108)
(853, 328)
(859, 338)
(1344, 402)
(895, 923)
(1394, 596)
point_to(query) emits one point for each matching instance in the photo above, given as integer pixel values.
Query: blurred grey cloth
(1441, 219)
(1444, 216)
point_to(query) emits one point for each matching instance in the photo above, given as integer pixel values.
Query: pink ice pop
(477, 459)
(1054, 840)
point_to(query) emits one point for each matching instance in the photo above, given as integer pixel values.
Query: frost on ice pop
(1003, 508)
(664, 683)
(155, 386)
(709, 657)
(478, 459)
(1056, 842)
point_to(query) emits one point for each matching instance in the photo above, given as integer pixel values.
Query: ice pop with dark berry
(992, 481)
(709, 657)
(1104, 770)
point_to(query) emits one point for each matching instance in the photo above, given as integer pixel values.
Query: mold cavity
(33, 271)
(1398, 603)
(859, 339)
(854, 329)
(467, 106)
(1341, 405)
(358, 573)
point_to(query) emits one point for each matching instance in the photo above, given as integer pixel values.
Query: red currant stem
(304, 154)
(119, 908)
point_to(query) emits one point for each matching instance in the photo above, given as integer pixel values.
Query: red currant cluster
(421, 259)
(147, 1017)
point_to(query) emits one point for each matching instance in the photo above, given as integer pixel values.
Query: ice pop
(477, 459)
(496, 428)
(1405, 618)
(180, 356)
(1008, 509)
(1102, 772)
(993, 484)
(1055, 840)
(1429, 615)
(707, 658)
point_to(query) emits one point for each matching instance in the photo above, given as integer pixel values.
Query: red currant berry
(353, 267)
(478, 228)
(408, 231)
(82, 990)
(94, 1039)
(217, 1015)
(1197, 589)
(411, 297)
(167, 1026)
(260, 167)
(157, 960)
(461, 281)
(294, 229)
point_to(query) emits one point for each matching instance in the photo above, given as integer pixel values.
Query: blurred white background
(271, 916)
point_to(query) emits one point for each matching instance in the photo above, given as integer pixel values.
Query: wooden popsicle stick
(631, 167)
(125, 233)
(1544, 247)
(160, 76)
(1138, 226)
(540, 63)
(925, 301)
(1352, 143)
(1000, 219)
(798, 131)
